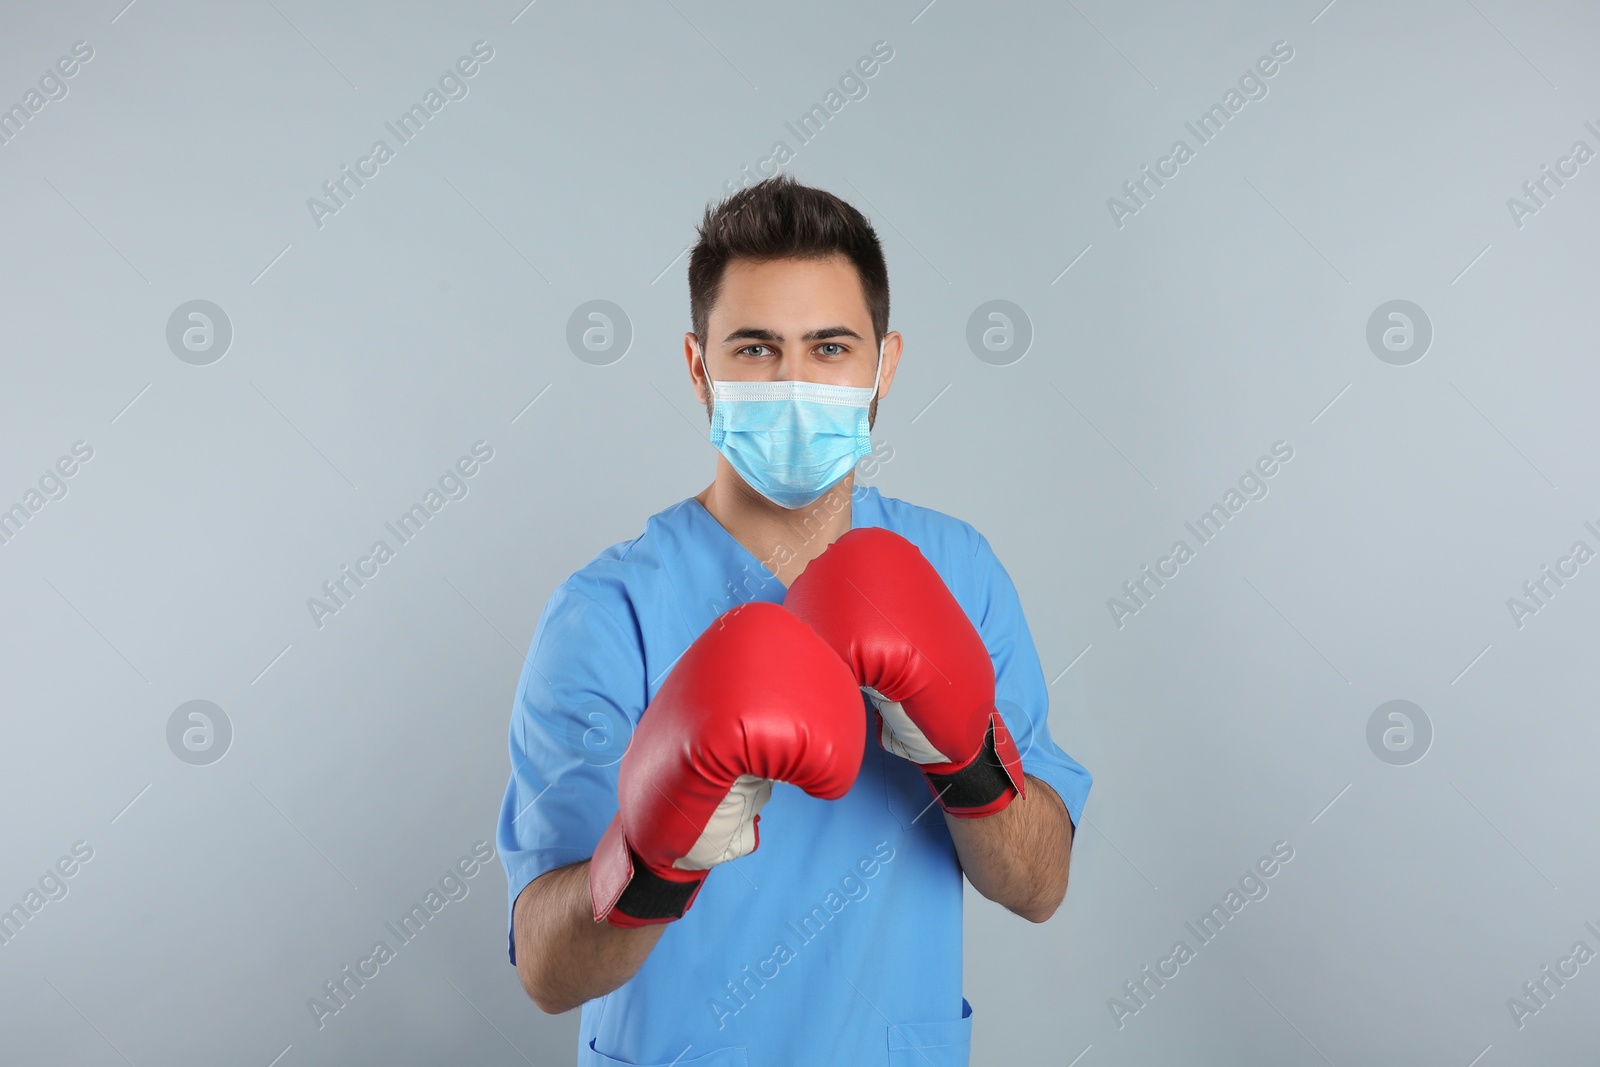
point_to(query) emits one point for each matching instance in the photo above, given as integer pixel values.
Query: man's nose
(788, 368)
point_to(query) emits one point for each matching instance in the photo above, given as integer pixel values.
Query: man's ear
(891, 359)
(691, 355)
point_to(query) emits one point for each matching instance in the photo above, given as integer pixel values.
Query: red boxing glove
(758, 697)
(884, 609)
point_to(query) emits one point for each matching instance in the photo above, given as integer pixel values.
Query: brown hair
(779, 218)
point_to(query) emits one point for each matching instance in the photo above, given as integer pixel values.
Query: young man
(855, 668)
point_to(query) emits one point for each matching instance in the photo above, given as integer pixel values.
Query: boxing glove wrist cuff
(626, 893)
(650, 898)
(984, 786)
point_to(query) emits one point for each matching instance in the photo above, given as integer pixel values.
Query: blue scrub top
(838, 941)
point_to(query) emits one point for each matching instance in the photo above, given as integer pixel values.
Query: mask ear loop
(711, 393)
(879, 371)
(711, 387)
(706, 370)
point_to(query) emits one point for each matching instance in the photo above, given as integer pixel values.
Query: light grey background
(369, 353)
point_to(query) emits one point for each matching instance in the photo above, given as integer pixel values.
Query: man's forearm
(1018, 857)
(564, 957)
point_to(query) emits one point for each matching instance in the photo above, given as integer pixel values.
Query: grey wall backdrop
(1371, 271)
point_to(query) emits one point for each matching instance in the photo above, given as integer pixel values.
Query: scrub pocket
(732, 1056)
(947, 1044)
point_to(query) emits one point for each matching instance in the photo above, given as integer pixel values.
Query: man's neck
(783, 540)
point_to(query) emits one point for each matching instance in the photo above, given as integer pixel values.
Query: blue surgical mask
(791, 441)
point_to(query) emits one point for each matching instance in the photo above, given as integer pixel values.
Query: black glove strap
(981, 782)
(650, 896)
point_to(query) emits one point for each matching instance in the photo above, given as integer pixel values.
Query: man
(853, 668)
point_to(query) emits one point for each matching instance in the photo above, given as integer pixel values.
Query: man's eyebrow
(756, 333)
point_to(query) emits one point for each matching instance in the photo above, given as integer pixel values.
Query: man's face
(792, 319)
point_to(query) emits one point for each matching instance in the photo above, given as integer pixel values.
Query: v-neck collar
(858, 496)
(742, 554)
(703, 562)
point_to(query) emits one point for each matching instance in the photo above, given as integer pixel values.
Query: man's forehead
(807, 296)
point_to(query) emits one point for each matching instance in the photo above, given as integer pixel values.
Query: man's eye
(750, 350)
(834, 345)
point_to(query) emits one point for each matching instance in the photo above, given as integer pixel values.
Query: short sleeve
(1020, 690)
(581, 693)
